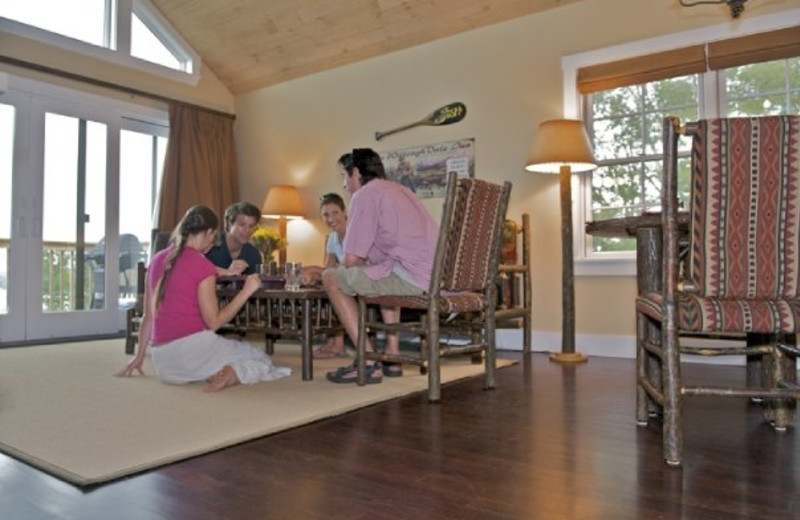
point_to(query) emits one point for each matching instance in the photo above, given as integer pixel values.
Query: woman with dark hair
(181, 313)
(334, 214)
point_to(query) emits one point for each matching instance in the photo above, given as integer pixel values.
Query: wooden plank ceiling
(251, 44)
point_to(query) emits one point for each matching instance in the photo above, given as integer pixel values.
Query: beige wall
(509, 76)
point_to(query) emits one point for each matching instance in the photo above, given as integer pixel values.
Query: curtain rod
(106, 84)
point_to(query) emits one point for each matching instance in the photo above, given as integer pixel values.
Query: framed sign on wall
(423, 169)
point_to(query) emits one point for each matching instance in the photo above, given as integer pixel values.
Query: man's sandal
(392, 369)
(349, 374)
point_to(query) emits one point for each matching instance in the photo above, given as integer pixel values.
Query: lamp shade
(282, 201)
(561, 142)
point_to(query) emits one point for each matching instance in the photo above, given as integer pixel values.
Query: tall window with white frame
(142, 152)
(7, 117)
(625, 126)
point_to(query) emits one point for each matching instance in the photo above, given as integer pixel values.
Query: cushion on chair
(699, 314)
(467, 253)
(746, 209)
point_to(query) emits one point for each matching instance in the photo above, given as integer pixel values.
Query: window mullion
(110, 25)
(124, 8)
(788, 83)
(712, 94)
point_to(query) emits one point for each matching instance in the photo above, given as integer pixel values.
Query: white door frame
(26, 321)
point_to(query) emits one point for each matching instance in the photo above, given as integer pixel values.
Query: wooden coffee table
(278, 313)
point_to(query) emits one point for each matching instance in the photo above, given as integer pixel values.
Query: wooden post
(282, 250)
(567, 354)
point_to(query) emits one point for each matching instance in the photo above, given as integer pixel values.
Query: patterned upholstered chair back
(746, 208)
(471, 237)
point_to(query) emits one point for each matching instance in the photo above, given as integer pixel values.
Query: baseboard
(601, 345)
(591, 345)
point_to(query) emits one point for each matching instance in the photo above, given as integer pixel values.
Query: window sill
(605, 266)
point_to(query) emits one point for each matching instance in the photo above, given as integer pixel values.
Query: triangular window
(146, 45)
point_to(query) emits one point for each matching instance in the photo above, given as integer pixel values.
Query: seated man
(388, 249)
(234, 254)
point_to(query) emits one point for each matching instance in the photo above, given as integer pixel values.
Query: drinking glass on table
(293, 272)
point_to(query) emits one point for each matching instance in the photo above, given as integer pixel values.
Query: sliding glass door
(7, 140)
(67, 255)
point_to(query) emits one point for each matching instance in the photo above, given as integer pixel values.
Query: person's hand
(251, 284)
(133, 366)
(237, 267)
(310, 277)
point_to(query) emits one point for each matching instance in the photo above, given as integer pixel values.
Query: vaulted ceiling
(251, 44)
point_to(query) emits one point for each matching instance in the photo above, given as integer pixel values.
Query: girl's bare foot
(223, 379)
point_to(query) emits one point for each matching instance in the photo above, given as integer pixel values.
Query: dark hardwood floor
(552, 442)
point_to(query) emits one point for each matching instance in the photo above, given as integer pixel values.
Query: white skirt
(201, 355)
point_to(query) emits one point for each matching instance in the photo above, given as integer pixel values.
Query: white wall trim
(600, 345)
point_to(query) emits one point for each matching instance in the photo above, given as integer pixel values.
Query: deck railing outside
(60, 277)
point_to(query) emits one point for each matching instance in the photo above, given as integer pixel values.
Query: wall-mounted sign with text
(423, 169)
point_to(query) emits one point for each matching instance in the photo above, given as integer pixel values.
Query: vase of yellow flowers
(267, 240)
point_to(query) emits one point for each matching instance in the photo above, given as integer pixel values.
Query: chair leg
(648, 369)
(755, 369)
(673, 405)
(491, 352)
(477, 336)
(424, 346)
(361, 343)
(642, 398)
(778, 367)
(130, 339)
(527, 327)
(130, 344)
(434, 369)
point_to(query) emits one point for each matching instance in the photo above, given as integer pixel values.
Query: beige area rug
(62, 411)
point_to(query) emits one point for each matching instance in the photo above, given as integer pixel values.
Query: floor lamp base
(569, 357)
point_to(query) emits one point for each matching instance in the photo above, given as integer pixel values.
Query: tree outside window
(625, 125)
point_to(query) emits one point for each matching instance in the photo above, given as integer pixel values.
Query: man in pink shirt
(388, 249)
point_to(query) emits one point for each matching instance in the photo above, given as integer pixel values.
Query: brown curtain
(754, 48)
(200, 165)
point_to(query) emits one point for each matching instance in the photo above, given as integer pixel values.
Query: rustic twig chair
(463, 281)
(133, 319)
(134, 314)
(514, 279)
(742, 274)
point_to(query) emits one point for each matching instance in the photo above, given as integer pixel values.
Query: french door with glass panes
(69, 242)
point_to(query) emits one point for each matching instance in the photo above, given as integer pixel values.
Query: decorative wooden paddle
(446, 115)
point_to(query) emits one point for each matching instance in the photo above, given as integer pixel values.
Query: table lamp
(282, 203)
(562, 146)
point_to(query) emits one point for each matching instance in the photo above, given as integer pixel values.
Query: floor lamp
(562, 146)
(282, 203)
